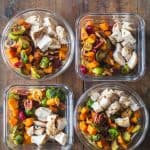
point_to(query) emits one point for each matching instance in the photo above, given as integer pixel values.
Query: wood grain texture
(70, 10)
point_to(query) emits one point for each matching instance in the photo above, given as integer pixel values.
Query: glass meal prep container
(107, 21)
(66, 102)
(37, 60)
(136, 139)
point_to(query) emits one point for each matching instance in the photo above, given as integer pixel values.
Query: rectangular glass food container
(139, 25)
(50, 145)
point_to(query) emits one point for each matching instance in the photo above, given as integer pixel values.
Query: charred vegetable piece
(24, 43)
(13, 37)
(113, 132)
(100, 55)
(34, 73)
(98, 71)
(44, 62)
(18, 30)
(24, 56)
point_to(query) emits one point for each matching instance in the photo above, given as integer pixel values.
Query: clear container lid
(144, 120)
(50, 144)
(139, 25)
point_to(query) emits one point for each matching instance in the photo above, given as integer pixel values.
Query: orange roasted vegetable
(83, 126)
(91, 130)
(82, 117)
(84, 34)
(53, 101)
(13, 121)
(12, 104)
(104, 26)
(84, 110)
(48, 70)
(27, 139)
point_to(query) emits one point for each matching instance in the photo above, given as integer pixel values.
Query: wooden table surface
(70, 10)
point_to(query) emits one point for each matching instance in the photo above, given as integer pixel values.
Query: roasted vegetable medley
(107, 48)
(110, 119)
(36, 115)
(36, 46)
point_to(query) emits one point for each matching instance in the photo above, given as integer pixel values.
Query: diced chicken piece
(134, 106)
(124, 101)
(55, 44)
(94, 95)
(117, 55)
(127, 25)
(51, 26)
(129, 40)
(34, 20)
(61, 123)
(97, 107)
(61, 138)
(105, 102)
(39, 140)
(36, 33)
(109, 94)
(113, 108)
(126, 53)
(62, 35)
(30, 131)
(119, 93)
(44, 43)
(51, 128)
(123, 122)
(40, 124)
(116, 35)
(132, 61)
(39, 131)
(42, 113)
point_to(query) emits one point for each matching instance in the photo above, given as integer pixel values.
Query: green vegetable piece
(55, 92)
(34, 73)
(114, 145)
(13, 95)
(29, 112)
(87, 46)
(24, 43)
(24, 56)
(18, 139)
(127, 136)
(44, 62)
(12, 36)
(125, 69)
(95, 138)
(98, 71)
(89, 103)
(113, 132)
(18, 30)
(136, 128)
(44, 102)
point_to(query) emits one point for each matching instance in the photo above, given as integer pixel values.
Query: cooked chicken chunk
(123, 122)
(39, 140)
(61, 123)
(42, 113)
(62, 36)
(61, 138)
